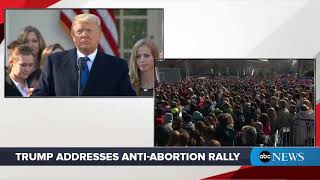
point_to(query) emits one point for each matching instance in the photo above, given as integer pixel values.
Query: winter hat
(175, 111)
(196, 116)
(168, 117)
(159, 121)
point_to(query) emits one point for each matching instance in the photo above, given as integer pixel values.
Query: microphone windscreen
(81, 63)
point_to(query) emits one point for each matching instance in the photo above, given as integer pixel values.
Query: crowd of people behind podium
(28, 53)
(230, 111)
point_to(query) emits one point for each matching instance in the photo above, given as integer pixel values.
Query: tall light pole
(187, 65)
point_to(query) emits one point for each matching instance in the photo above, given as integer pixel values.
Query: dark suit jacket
(108, 76)
(11, 89)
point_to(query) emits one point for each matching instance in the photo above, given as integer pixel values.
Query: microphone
(81, 64)
(80, 68)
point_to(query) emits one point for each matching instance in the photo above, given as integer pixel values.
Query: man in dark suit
(101, 74)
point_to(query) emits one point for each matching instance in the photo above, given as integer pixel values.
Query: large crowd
(232, 111)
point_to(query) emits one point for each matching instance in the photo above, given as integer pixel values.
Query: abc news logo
(266, 156)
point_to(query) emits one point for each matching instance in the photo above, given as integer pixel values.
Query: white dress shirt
(24, 91)
(91, 56)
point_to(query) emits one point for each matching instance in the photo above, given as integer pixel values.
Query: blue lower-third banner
(172, 156)
(124, 156)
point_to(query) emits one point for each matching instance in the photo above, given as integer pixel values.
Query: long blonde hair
(134, 72)
(42, 44)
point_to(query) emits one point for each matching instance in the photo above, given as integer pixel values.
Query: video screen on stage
(82, 52)
(235, 102)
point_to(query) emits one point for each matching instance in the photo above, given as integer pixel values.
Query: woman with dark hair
(225, 132)
(34, 77)
(265, 120)
(273, 119)
(56, 47)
